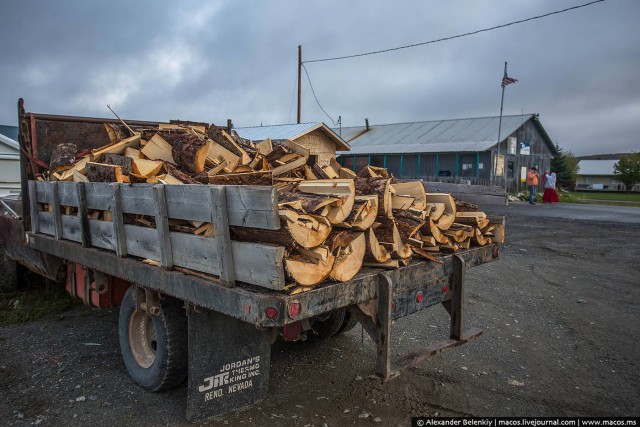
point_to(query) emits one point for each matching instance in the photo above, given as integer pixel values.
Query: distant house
(9, 161)
(598, 175)
(321, 141)
(462, 148)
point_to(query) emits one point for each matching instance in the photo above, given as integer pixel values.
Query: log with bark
(99, 172)
(380, 187)
(348, 249)
(190, 153)
(63, 157)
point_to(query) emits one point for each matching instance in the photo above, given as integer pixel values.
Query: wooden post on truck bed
(222, 238)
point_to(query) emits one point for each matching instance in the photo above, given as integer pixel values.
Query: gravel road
(561, 317)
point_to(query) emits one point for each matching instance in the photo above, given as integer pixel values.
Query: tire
(325, 329)
(349, 323)
(153, 348)
(8, 273)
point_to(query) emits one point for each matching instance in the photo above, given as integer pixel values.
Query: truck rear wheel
(335, 323)
(154, 348)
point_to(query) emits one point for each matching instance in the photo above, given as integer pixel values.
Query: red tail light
(419, 297)
(271, 312)
(445, 289)
(294, 309)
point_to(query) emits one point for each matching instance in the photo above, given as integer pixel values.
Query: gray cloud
(211, 61)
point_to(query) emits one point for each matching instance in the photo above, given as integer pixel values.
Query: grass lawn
(620, 197)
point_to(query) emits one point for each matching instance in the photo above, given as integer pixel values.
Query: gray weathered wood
(102, 235)
(45, 223)
(143, 242)
(82, 214)
(71, 228)
(247, 206)
(33, 206)
(99, 195)
(162, 226)
(138, 199)
(55, 204)
(68, 193)
(43, 191)
(257, 264)
(222, 239)
(118, 221)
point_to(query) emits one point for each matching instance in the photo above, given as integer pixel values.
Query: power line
(454, 37)
(314, 95)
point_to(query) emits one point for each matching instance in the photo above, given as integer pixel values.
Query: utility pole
(299, 81)
(499, 129)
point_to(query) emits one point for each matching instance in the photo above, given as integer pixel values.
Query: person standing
(532, 183)
(550, 195)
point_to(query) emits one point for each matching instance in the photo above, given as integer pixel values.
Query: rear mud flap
(228, 364)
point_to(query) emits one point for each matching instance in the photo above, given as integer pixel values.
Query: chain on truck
(175, 326)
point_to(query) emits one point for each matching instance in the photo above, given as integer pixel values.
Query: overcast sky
(213, 60)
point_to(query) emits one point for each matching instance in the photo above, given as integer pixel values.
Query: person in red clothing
(532, 183)
(550, 195)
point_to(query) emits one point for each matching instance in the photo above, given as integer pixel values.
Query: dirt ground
(561, 319)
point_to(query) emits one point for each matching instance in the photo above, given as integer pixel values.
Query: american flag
(506, 80)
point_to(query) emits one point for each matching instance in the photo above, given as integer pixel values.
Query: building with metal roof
(598, 175)
(9, 161)
(320, 139)
(465, 148)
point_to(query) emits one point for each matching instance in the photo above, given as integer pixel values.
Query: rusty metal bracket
(148, 300)
(376, 318)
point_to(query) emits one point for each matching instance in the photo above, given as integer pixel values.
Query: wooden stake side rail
(256, 264)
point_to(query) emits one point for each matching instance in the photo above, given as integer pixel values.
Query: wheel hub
(142, 338)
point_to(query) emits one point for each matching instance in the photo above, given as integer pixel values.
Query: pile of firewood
(333, 222)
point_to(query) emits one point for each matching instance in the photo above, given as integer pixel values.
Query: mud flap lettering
(228, 364)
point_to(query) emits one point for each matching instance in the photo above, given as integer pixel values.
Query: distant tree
(565, 165)
(627, 170)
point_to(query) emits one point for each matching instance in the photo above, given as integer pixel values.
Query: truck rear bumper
(250, 303)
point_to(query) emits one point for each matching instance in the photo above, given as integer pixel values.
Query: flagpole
(499, 129)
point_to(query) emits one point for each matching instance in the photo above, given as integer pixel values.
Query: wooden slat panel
(222, 239)
(257, 264)
(99, 195)
(138, 199)
(55, 202)
(118, 221)
(82, 215)
(33, 206)
(102, 234)
(71, 228)
(43, 192)
(248, 206)
(68, 193)
(142, 242)
(45, 223)
(162, 226)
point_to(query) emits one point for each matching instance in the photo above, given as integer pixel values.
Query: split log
(348, 249)
(342, 188)
(183, 177)
(307, 271)
(389, 236)
(158, 149)
(147, 168)
(134, 153)
(249, 178)
(99, 172)
(373, 172)
(380, 187)
(478, 238)
(319, 172)
(375, 252)
(437, 209)
(217, 151)
(117, 148)
(190, 152)
(264, 147)
(308, 203)
(305, 231)
(115, 132)
(118, 160)
(462, 206)
(408, 223)
(426, 255)
(413, 189)
(222, 138)
(363, 214)
(449, 215)
(63, 157)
